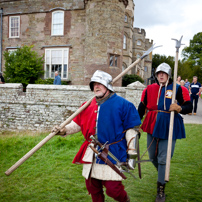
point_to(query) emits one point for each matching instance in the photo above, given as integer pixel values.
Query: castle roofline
(125, 2)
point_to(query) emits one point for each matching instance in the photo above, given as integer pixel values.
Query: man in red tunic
(156, 100)
(111, 119)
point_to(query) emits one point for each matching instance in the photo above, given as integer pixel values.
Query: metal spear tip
(149, 51)
(178, 43)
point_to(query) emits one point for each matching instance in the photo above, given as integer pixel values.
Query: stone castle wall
(44, 106)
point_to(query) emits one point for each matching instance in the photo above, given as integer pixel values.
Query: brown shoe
(190, 113)
(160, 193)
(194, 113)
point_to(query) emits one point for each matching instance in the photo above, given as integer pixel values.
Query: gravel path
(195, 119)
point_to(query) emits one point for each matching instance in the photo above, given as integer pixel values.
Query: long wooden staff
(170, 137)
(47, 138)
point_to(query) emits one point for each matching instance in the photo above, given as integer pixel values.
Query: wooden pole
(170, 137)
(47, 138)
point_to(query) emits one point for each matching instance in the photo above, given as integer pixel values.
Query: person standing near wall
(187, 84)
(2, 81)
(182, 83)
(178, 80)
(156, 99)
(111, 119)
(195, 90)
(57, 80)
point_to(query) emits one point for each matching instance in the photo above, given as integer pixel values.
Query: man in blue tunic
(156, 100)
(112, 119)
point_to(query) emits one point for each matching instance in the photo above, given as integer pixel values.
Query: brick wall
(43, 106)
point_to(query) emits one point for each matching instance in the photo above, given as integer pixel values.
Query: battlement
(147, 41)
(139, 31)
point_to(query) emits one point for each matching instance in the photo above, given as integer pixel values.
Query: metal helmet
(103, 78)
(163, 67)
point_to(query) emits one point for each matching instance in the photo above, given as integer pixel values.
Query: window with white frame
(12, 50)
(56, 60)
(58, 23)
(14, 26)
(124, 42)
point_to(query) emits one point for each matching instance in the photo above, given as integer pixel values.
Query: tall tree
(193, 55)
(193, 52)
(158, 59)
(23, 66)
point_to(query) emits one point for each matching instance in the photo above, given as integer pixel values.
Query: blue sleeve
(131, 116)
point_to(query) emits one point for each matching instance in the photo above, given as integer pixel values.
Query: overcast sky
(166, 19)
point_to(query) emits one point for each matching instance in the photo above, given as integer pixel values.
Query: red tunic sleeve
(87, 121)
(150, 119)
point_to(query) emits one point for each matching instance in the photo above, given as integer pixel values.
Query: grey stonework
(44, 106)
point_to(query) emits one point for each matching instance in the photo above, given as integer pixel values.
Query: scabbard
(103, 156)
(138, 157)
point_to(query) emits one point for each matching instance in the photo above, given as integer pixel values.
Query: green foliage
(158, 59)
(49, 81)
(197, 71)
(193, 56)
(50, 176)
(194, 51)
(130, 78)
(185, 70)
(23, 66)
(44, 81)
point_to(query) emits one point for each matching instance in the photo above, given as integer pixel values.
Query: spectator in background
(57, 80)
(187, 84)
(195, 90)
(2, 81)
(178, 80)
(182, 83)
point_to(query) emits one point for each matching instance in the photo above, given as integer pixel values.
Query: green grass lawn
(49, 175)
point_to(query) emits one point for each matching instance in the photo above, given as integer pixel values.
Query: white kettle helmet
(103, 78)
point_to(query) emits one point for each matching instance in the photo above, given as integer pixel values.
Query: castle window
(145, 69)
(56, 60)
(113, 60)
(124, 66)
(58, 23)
(126, 18)
(14, 26)
(124, 42)
(12, 51)
(138, 42)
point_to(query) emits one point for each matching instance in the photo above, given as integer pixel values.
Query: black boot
(160, 192)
